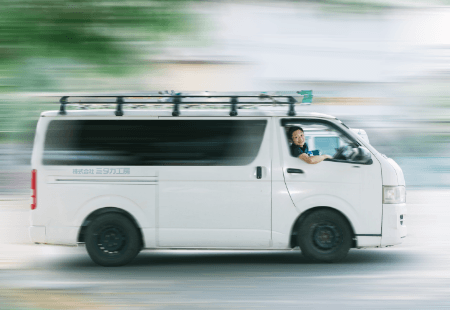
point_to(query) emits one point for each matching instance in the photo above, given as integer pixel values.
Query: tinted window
(153, 142)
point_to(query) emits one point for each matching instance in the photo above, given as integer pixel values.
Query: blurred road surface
(414, 275)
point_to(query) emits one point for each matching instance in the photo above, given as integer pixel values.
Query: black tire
(112, 240)
(325, 236)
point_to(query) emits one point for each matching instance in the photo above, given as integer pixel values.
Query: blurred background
(379, 65)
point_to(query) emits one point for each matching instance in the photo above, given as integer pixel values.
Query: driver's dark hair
(294, 129)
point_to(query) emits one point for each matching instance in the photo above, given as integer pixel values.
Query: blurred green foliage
(92, 31)
(46, 44)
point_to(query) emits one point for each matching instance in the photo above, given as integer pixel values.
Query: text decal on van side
(102, 171)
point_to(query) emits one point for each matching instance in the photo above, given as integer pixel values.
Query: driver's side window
(322, 138)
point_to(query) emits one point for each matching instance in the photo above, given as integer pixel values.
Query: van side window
(153, 142)
(322, 138)
(326, 145)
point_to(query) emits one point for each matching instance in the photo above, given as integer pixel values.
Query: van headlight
(394, 194)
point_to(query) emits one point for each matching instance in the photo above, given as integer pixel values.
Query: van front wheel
(112, 240)
(325, 236)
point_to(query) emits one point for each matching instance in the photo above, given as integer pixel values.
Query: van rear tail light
(33, 189)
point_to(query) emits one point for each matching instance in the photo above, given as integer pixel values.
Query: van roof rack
(196, 98)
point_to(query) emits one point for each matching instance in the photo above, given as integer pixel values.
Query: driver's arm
(313, 159)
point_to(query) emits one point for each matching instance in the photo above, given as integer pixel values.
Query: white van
(130, 179)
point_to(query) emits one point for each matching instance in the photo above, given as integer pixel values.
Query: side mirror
(361, 155)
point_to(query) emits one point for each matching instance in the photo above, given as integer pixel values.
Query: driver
(299, 147)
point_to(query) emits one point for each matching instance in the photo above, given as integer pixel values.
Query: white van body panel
(284, 212)
(143, 210)
(398, 172)
(368, 241)
(284, 215)
(393, 230)
(82, 198)
(216, 206)
(226, 210)
(353, 189)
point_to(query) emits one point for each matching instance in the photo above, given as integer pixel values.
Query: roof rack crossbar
(176, 100)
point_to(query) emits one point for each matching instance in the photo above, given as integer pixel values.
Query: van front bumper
(394, 224)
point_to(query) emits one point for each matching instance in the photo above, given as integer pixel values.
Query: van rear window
(153, 142)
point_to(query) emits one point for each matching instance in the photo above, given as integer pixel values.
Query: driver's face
(298, 138)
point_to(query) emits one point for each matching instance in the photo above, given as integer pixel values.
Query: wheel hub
(111, 240)
(326, 236)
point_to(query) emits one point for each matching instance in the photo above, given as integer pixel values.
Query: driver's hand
(328, 157)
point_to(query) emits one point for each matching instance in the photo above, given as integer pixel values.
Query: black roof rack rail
(244, 98)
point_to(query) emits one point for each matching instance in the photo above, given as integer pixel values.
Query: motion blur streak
(379, 65)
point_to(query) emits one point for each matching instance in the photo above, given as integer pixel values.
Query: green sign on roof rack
(307, 96)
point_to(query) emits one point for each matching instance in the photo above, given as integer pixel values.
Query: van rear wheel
(112, 240)
(325, 236)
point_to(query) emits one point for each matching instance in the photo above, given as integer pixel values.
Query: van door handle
(292, 170)
(258, 172)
